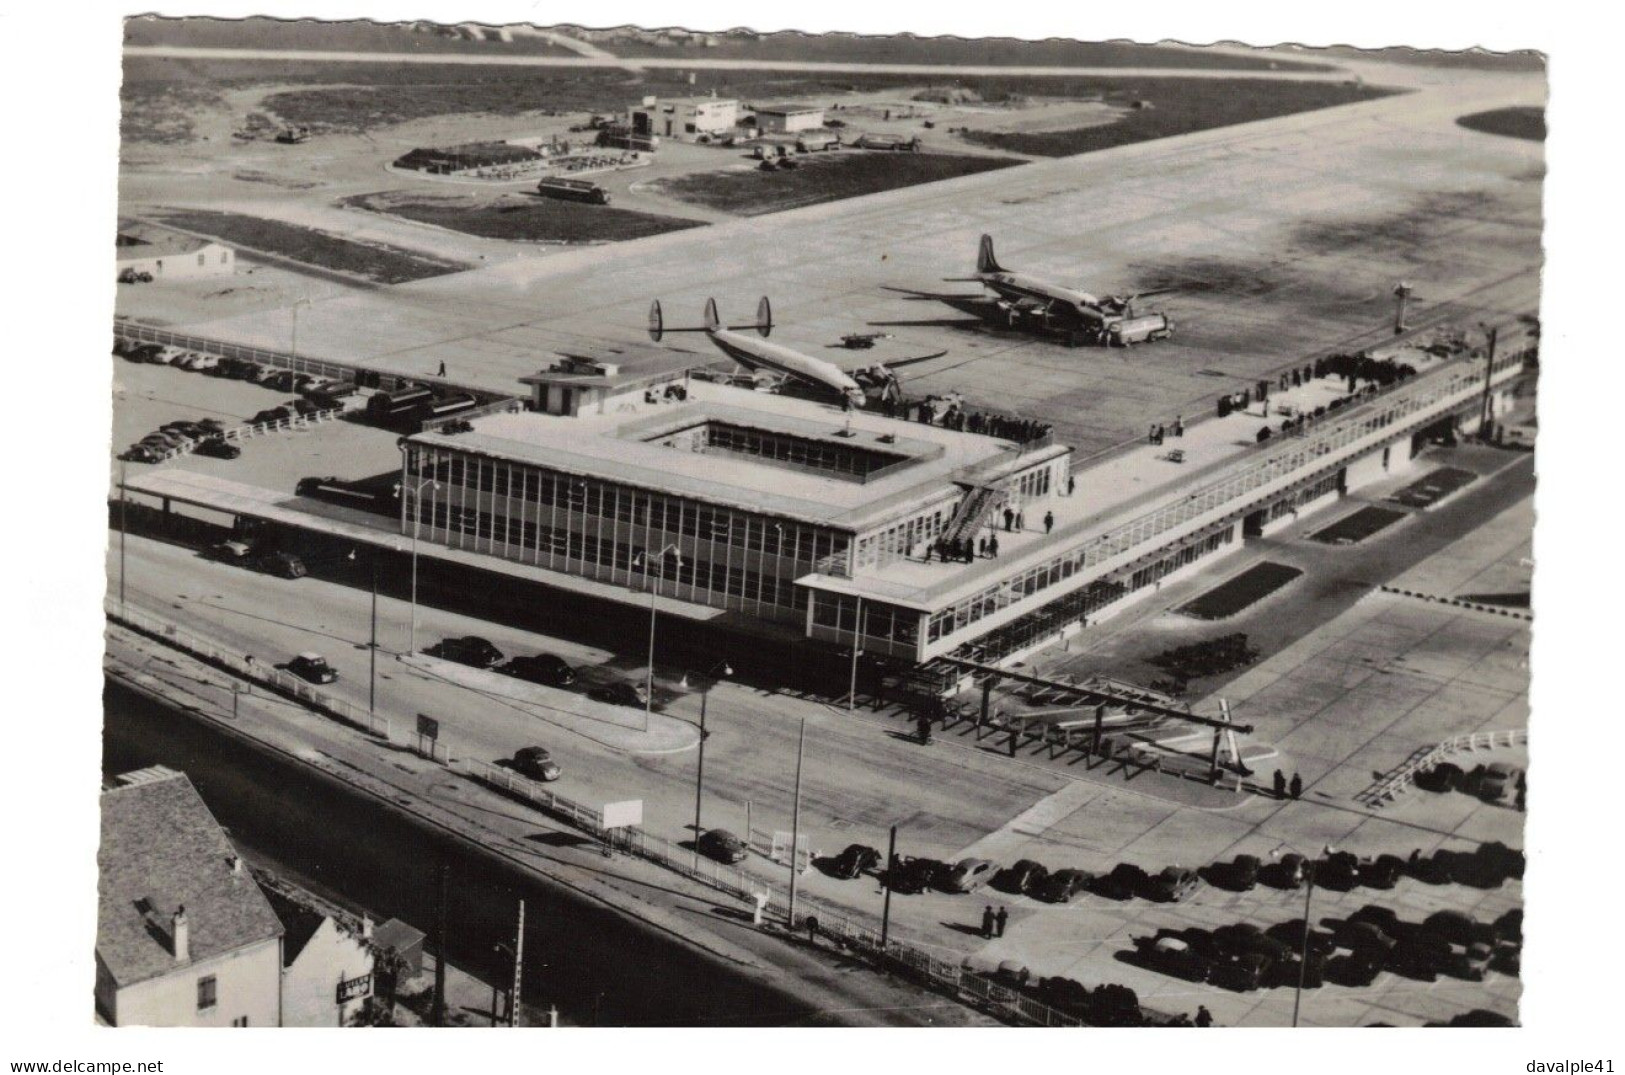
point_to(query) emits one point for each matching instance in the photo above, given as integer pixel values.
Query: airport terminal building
(829, 522)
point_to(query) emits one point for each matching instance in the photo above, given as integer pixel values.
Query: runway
(1283, 238)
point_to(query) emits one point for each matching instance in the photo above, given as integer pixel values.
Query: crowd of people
(953, 416)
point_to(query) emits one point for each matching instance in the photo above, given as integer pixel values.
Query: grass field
(1355, 527)
(1172, 107)
(822, 178)
(522, 217)
(1247, 588)
(858, 48)
(308, 246)
(1526, 123)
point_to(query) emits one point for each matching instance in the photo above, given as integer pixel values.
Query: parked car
(280, 380)
(1469, 961)
(1339, 871)
(1500, 783)
(1458, 928)
(1020, 878)
(1171, 885)
(1238, 875)
(1382, 872)
(542, 668)
(914, 874)
(1419, 956)
(142, 453)
(313, 667)
(470, 650)
(1244, 938)
(1062, 885)
(967, 875)
(1358, 969)
(1443, 777)
(1364, 937)
(1242, 973)
(1290, 871)
(231, 552)
(211, 426)
(218, 448)
(855, 860)
(536, 763)
(1174, 955)
(283, 565)
(722, 845)
(1125, 881)
(620, 692)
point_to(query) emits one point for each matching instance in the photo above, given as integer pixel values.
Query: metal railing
(245, 666)
(1396, 783)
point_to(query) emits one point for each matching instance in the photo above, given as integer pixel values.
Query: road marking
(1032, 821)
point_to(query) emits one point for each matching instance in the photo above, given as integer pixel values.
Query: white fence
(248, 668)
(1397, 782)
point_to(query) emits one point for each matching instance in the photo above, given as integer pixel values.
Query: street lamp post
(857, 641)
(642, 560)
(294, 312)
(1303, 942)
(372, 640)
(417, 523)
(123, 529)
(699, 774)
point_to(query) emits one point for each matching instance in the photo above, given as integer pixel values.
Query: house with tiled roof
(184, 936)
(327, 956)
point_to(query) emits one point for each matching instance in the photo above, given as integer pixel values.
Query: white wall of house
(247, 985)
(310, 984)
(210, 260)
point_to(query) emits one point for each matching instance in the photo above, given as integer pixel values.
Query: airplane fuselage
(1015, 286)
(759, 354)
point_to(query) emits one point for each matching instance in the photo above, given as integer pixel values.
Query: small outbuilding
(788, 119)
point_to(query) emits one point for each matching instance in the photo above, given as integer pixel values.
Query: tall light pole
(1303, 943)
(795, 822)
(857, 642)
(642, 560)
(417, 523)
(372, 640)
(699, 774)
(294, 313)
(123, 529)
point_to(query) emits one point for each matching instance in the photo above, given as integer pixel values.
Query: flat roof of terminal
(621, 446)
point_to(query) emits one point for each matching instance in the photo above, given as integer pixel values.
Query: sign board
(623, 814)
(355, 988)
(428, 727)
(781, 850)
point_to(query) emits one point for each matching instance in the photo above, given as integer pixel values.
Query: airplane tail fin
(764, 316)
(985, 261)
(712, 321)
(657, 322)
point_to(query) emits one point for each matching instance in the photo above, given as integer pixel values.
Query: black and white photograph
(688, 523)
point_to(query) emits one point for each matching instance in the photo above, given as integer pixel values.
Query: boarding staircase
(973, 512)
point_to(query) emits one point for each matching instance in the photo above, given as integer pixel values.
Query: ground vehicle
(231, 552)
(1174, 955)
(314, 667)
(282, 564)
(1339, 871)
(914, 874)
(1500, 783)
(621, 692)
(1289, 872)
(1242, 973)
(1356, 969)
(852, 862)
(542, 668)
(1419, 956)
(722, 845)
(536, 763)
(1244, 938)
(1062, 885)
(280, 381)
(271, 416)
(1469, 961)
(1147, 328)
(1124, 882)
(142, 453)
(817, 141)
(1025, 876)
(211, 426)
(1238, 875)
(134, 276)
(1458, 928)
(1446, 776)
(471, 650)
(1172, 884)
(1382, 872)
(218, 448)
(967, 875)
(573, 190)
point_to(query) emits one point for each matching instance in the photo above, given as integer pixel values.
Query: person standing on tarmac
(987, 922)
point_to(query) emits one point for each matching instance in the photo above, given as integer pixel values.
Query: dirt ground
(520, 216)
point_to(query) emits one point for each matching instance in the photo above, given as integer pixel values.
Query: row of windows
(607, 500)
(795, 451)
(553, 542)
(1186, 556)
(1287, 505)
(894, 542)
(880, 621)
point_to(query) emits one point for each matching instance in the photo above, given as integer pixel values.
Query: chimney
(366, 927)
(236, 862)
(180, 936)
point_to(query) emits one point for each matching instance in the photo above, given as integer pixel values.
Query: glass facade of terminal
(726, 557)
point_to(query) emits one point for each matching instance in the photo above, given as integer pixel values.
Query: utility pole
(437, 1014)
(795, 822)
(1487, 418)
(518, 966)
(1303, 947)
(123, 529)
(885, 882)
(857, 642)
(372, 645)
